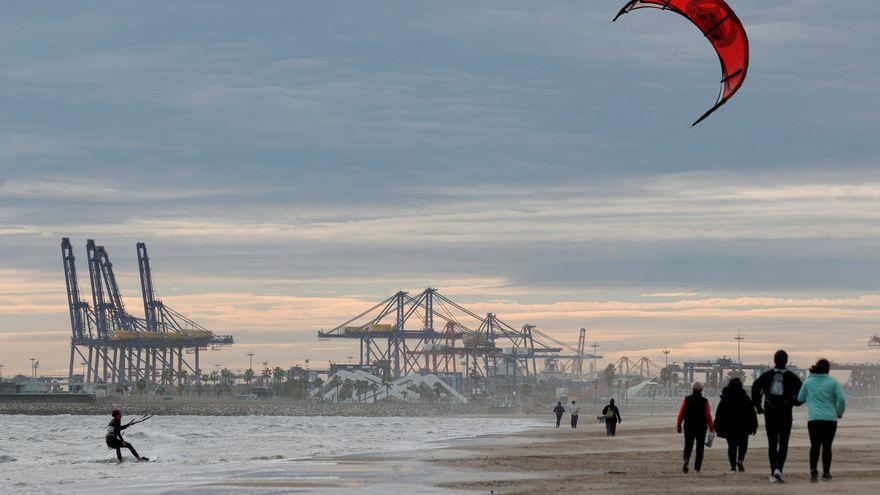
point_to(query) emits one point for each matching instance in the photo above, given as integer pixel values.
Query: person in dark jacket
(735, 420)
(559, 410)
(114, 437)
(779, 389)
(697, 418)
(612, 417)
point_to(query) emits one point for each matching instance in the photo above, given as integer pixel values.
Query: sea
(67, 454)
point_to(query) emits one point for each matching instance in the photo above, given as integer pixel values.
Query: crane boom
(151, 309)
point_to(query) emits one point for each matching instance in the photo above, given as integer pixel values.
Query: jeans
(690, 438)
(778, 425)
(737, 446)
(821, 436)
(611, 428)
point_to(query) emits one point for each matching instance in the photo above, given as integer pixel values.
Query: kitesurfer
(114, 437)
(779, 388)
(559, 410)
(697, 419)
(612, 417)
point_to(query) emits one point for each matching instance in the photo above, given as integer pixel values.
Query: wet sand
(645, 458)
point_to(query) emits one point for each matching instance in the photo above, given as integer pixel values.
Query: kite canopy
(717, 21)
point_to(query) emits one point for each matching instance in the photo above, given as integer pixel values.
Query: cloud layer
(289, 165)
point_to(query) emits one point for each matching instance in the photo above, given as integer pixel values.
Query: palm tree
(374, 387)
(317, 383)
(386, 382)
(248, 376)
(335, 382)
(277, 375)
(347, 388)
(360, 387)
(439, 390)
(266, 374)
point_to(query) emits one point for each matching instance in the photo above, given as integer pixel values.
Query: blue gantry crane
(120, 348)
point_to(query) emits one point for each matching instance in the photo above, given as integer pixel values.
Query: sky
(289, 164)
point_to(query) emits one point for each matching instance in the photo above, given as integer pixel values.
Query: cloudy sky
(290, 164)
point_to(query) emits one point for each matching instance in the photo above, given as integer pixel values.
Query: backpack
(610, 413)
(776, 396)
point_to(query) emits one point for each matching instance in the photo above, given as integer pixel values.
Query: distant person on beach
(559, 410)
(825, 404)
(735, 420)
(114, 437)
(697, 418)
(612, 417)
(779, 388)
(574, 414)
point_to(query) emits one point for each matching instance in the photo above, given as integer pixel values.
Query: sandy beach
(645, 458)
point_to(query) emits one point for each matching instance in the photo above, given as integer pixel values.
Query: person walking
(612, 417)
(697, 418)
(574, 414)
(559, 410)
(779, 389)
(825, 405)
(735, 420)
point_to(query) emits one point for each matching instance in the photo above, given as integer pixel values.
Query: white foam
(70, 456)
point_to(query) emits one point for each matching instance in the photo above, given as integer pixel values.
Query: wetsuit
(612, 417)
(777, 411)
(114, 438)
(559, 410)
(697, 419)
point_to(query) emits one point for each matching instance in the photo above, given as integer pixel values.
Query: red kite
(724, 30)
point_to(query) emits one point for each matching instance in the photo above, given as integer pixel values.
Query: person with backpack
(559, 410)
(574, 411)
(779, 389)
(696, 415)
(612, 417)
(825, 405)
(735, 420)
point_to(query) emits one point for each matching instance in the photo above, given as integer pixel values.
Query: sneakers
(733, 468)
(776, 477)
(826, 477)
(814, 476)
(684, 468)
(740, 467)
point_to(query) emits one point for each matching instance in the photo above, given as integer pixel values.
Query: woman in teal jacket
(826, 404)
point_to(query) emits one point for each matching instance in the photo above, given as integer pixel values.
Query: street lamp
(739, 338)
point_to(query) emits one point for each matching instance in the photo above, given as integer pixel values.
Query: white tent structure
(404, 388)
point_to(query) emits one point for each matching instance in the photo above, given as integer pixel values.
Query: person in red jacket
(696, 415)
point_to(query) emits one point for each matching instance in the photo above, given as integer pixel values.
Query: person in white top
(574, 414)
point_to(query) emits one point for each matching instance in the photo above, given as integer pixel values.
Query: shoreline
(225, 407)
